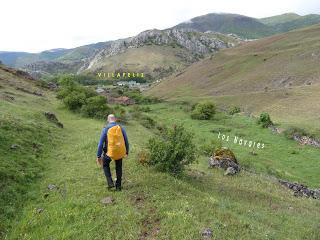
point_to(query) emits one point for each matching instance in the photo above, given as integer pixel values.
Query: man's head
(111, 118)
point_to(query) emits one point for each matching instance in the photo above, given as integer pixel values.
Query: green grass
(152, 205)
(275, 159)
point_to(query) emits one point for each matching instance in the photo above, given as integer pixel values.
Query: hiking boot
(110, 183)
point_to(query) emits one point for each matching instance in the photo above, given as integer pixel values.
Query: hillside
(247, 27)
(54, 190)
(290, 21)
(170, 50)
(243, 26)
(279, 74)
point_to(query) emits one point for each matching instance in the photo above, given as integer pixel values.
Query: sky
(37, 25)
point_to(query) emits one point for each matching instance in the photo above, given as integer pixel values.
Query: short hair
(111, 118)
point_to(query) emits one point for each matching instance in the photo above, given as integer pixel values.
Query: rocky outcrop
(305, 140)
(300, 190)
(224, 158)
(196, 42)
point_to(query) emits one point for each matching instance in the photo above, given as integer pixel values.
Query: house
(130, 84)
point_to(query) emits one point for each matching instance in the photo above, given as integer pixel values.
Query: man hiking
(114, 143)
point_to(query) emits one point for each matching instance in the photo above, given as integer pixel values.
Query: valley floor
(153, 205)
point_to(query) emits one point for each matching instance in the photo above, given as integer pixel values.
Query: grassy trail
(153, 205)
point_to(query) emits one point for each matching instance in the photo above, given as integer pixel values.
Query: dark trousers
(107, 172)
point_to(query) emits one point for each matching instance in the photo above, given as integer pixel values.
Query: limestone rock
(224, 158)
(107, 200)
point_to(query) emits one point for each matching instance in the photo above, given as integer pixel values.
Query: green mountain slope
(279, 74)
(290, 21)
(278, 19)
(243, 26)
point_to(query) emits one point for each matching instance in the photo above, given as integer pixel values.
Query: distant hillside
(247, 27)
(290, 21)
(279, 74)
(157, 53)
(279, 19)
(243, 26)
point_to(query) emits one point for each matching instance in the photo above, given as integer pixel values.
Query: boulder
(224, 158)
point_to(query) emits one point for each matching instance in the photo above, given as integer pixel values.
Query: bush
(74, 100)
(172, 150)
(265, 120)
(203, 111)
(96, 107)
(77, 97)
(233, 110)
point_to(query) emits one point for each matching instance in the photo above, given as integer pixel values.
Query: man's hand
(99, 161)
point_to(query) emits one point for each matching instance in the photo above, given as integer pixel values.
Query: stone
(224, 158)
(207, 233)
(52, 186)
(15, 146)
(107, 200)
(39, 210)
(230, 171)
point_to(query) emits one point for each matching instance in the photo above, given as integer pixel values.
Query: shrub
(203, 111)
(265, 120)
(172, 150)
(74, 100)
(96, 107)
(233, 110)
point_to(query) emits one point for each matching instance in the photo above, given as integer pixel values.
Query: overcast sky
(37, 25)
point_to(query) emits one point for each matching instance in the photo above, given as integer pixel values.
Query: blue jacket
(103, 143)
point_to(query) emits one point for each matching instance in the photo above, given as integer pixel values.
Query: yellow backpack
(116, 145)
